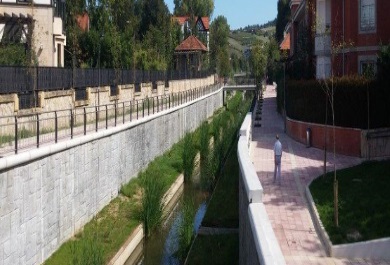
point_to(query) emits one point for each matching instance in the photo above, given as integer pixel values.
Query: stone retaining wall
(48, 194)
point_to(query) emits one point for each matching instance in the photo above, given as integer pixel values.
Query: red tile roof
(181, 20)
(192, 43)
(206, 22)
(83, 21)
(285, 45)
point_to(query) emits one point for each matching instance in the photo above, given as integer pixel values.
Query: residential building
(202, 28)
(347, 34)
(39, 24)
(363, 26)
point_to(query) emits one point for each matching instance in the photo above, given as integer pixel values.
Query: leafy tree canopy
(282, 18)
(203, 8)
(219, 45)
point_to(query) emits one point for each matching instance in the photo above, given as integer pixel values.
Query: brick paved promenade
(286, 204)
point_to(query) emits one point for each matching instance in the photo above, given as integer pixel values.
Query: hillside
(243, 38)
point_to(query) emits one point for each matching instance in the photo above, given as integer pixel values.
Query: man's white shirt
(278, 148)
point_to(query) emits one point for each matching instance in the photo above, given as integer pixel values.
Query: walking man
(278, 158)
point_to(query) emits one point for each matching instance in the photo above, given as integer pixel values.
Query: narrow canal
(162, 246)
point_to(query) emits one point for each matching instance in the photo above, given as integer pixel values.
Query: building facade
(363, 26)
(39, 24)
(344, 36)
(202, 26)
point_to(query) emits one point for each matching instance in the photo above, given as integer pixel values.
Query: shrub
(186, 227)
(151, 203)
(189, 153)
(305, 101)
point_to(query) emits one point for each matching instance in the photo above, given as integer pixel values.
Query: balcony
(322, 45)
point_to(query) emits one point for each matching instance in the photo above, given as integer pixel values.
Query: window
(81, 93)
(59, 55)
(113, 90)
(367, 15)
(367, 66)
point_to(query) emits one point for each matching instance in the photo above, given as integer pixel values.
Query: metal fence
(26, 132)
(28, 79)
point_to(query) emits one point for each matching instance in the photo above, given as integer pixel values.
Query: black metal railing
(25, 132)
(23, 79)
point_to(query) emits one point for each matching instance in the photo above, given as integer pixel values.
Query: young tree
(258, 61)
(273, 55)
(219, 45)
(328, 85)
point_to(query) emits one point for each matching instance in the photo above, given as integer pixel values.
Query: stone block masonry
(48, 194)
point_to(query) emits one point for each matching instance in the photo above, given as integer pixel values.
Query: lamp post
(284, 94)
(99, 72)
(99, 66)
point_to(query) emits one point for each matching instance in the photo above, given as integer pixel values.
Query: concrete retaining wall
(258, 243)
(48, 194)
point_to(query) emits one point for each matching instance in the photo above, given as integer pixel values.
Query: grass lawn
(364, 202)
(217, 249)
(222, 210)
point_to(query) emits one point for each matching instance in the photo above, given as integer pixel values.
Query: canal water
(162, 245)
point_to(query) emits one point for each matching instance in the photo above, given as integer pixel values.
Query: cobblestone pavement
(286, 204)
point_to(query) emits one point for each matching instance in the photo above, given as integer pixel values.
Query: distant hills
(242, 39)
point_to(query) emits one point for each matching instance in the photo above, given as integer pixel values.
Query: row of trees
(133, 34)
(123, 34)
(140, 34)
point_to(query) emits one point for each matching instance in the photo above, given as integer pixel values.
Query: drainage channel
(161, 247)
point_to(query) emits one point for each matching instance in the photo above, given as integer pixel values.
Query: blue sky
(241, 13)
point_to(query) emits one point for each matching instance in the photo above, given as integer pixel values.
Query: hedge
(305, 101)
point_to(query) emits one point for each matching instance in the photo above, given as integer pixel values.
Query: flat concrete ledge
(249, 175)
(245, 129)
(172, 191)
(128, 247)
(267, 246)
(373, 249)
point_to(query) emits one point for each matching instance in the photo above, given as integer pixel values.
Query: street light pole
(284, 94)
(99, 73)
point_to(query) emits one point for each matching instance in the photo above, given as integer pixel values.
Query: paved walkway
(286, 204)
